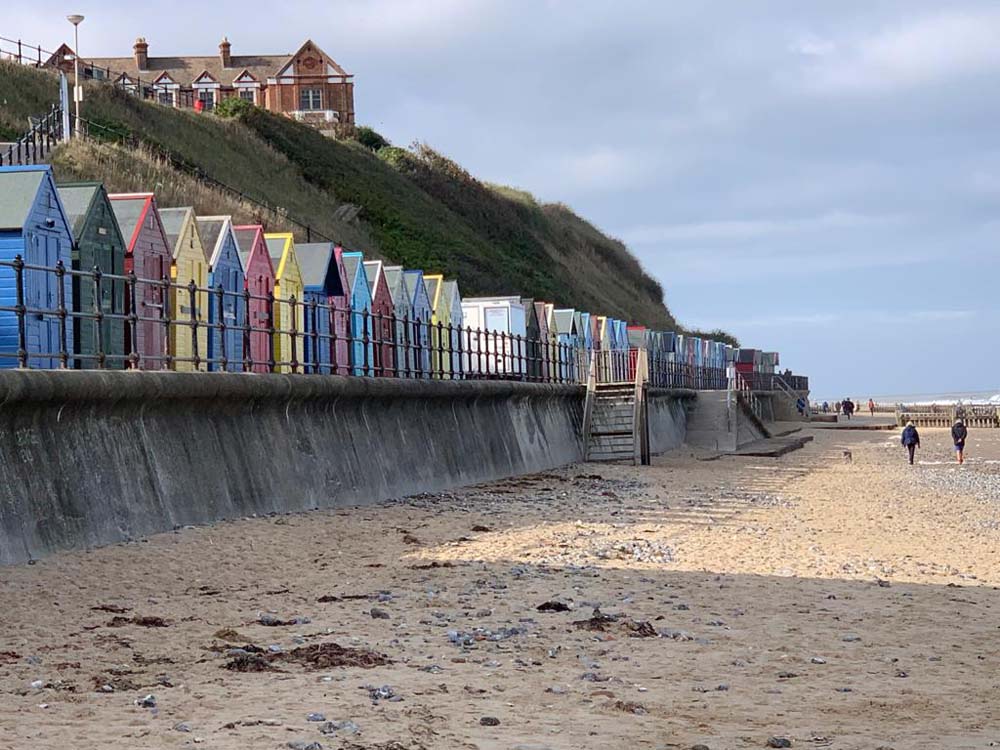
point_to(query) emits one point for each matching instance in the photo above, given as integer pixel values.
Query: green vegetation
(410, 206)
(716, 335)
(234, 106)
(370, 139)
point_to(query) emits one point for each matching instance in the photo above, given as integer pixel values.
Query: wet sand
(835, 602)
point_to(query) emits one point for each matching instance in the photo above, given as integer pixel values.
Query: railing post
(165, 314)
(223, 358)
(335, 366)
(293, 305)
(365, 339)
(21, 310)
(270, 331)
(98, 322)
(394, 327)
(193, 323)
(468, 351)
(135, 360)
(314, 317)
(61, 312)
(248, 362)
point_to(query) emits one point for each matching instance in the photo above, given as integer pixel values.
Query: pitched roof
(129, 209)
(395, 279)
(276, 246)
(245, 237)
(19, 189)
(372, 269)
(213, 230)
(174, 220)
(185, 70)
(77, 198)
(352, 262)
(314, 263)
(414, 279)
(564, 320)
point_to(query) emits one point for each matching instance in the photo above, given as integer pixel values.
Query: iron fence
(130, 322)
(35, 145)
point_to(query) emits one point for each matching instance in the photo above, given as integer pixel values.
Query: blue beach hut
(362, 362)
(420, 339)
(225, 269)
(33, 224)
(325, 284)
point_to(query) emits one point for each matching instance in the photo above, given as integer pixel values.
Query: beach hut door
(41, 295)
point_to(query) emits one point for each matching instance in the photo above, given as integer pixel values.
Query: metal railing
(71, 318)
(35, 145)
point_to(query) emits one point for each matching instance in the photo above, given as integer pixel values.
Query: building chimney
(140, 48)
(224, 48)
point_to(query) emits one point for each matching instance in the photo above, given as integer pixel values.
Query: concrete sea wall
(668, 410)
(91, 458)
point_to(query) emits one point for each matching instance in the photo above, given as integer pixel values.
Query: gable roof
(565, 319)
(315, 259)
(77, 199)
(213, 231)
(175, 221)
(332, 68)
(414, 283)
(353, 265)
(396, 281)
(20, 186)
(185, 70)
(433, 284)
(373, 269)
(130, 209)
(247, 237)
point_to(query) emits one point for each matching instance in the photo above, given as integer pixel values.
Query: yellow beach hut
(440, 359)
(287, 284)
(189, 264)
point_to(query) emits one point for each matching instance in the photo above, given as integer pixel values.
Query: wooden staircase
(612, 427)
(615, 420)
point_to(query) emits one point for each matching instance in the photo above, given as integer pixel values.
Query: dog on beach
(848, 457)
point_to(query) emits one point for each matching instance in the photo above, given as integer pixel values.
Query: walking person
(959, 433)
(871, 407)
(911, 440)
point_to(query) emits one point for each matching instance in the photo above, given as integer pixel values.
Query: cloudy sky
(819, 178)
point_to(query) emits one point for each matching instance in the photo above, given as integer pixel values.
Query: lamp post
(76, 19)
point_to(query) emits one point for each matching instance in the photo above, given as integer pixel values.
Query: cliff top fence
(211, 329)
(934, 415)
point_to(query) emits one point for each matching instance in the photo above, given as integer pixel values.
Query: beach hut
(439, 319)
(544, 341)
(567, 336)
(586, 333)
(453, 300)
(362, 325)
(34, 225)
(259, 271)
(421, 321)
(188, 346)
(289, 318)
(97, 243)
(384, 363)
(497, 322)
(226, 312)
(148, 256)
(325, 296)
(402, 306)
(532, 347)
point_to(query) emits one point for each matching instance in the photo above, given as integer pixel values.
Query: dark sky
(818, 178)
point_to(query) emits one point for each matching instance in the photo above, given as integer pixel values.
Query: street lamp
(76, 19)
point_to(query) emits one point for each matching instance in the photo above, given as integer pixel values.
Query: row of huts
(312, 306)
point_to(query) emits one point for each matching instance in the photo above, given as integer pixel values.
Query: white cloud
(737, 230)
(926, 50)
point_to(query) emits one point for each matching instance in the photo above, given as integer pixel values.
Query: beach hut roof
(174, 221)
(372, 270)
(395, 278)
(316, 268)
(276, 244)
(565, 320)
(20, 188)
(245, 238)
(352, 262)
(77, 199)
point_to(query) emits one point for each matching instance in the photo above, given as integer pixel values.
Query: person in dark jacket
(911, 440)
(958, 435)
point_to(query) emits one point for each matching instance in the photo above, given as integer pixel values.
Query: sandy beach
(833, 598)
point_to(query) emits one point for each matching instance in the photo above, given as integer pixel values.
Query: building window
(207, 98)
(310, 99)
(166, 97)
(247, 95)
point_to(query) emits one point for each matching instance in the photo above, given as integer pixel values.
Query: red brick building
(308, 85)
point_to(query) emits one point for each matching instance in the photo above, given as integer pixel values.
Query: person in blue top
(911, 439)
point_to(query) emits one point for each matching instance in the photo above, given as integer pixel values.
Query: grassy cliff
(413, 207)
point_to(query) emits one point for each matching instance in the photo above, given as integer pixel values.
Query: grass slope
(411, 207)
